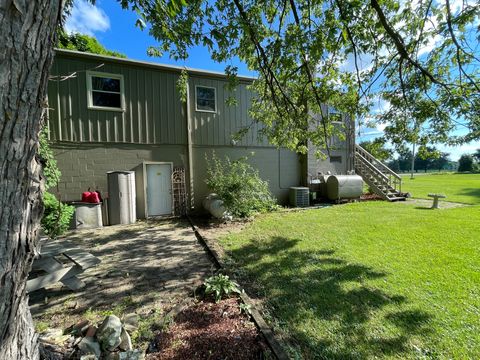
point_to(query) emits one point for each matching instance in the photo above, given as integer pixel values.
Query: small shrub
(245, 308)
(56, 216)
(239, 186)
(220, 286)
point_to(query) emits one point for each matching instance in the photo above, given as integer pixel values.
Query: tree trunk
(26, 52)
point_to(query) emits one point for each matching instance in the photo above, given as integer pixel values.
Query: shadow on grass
(473, 192)
(326, 304)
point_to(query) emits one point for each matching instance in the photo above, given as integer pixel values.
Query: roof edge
(174, 68)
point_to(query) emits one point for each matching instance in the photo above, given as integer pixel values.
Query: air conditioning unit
(299, 196)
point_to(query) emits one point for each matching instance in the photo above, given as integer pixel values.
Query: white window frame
(90, 90)
(215, 92)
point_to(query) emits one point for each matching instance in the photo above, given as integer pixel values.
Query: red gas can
(91, 197)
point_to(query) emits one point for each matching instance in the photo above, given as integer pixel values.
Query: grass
(368, 280)
(463, 188)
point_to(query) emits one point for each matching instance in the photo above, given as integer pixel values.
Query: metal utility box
(121, 197)
(299, 196)
(344, 187)
(86, 215)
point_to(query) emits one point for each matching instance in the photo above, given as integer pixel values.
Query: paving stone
(156, 255)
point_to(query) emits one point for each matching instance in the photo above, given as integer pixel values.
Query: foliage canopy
(84, 43)
(465, 163)
(417, 57)
(377, 148)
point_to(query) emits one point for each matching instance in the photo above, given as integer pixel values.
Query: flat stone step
(397, 198)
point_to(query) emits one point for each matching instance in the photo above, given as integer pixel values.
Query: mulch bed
(208, 330)
(370, 197)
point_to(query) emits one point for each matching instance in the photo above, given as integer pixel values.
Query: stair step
(397, 198)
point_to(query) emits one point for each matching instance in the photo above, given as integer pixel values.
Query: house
(110, 113)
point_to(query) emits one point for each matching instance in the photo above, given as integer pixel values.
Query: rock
(130, 322)
(126, 342)
(72, 305)
(111, 356)
(77, 341)
(108, 334)
(131, 355)
(54, 336)
(88, 346)
(51, 333)
(89, 357)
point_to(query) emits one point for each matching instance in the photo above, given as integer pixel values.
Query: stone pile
(110, 341)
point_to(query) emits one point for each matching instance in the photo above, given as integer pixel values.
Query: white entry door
(159, 189)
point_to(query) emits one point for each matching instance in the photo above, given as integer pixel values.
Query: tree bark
(27, 38)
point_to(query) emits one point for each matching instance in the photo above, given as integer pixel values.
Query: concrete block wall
(281, 168)
(323, 165)
(86, 165)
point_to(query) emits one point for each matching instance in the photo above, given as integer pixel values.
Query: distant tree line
(426, 158)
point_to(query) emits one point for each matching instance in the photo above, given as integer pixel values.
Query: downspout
(191, 201)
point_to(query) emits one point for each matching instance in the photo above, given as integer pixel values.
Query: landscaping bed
(194, 329)
(209, 330)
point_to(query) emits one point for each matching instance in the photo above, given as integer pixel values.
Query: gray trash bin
(86, 215)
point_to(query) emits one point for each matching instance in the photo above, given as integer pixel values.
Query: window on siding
(335, 159)
(335, 116)
(205, 99)
(105, 91)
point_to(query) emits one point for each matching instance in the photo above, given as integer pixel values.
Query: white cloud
(457, 151)
(87, 19)
(364, 63)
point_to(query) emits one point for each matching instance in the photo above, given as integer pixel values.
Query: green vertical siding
(153, 112)
(216, 129)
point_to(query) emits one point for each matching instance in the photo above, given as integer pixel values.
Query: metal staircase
(381, 179)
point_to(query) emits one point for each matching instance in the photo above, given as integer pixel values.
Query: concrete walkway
(143, 266)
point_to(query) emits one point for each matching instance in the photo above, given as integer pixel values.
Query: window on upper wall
(205, 99)
(105, 91)
(335, 116)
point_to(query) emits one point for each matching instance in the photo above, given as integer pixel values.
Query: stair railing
(394, 180)
(377, 181)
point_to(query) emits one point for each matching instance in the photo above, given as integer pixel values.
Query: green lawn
(464, 188)
(368, 280)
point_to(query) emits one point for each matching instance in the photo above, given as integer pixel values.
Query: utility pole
(413, 161)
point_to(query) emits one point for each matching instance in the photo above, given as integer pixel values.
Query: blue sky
(115, 29)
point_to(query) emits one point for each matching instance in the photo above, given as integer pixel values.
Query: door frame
(145, 184)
